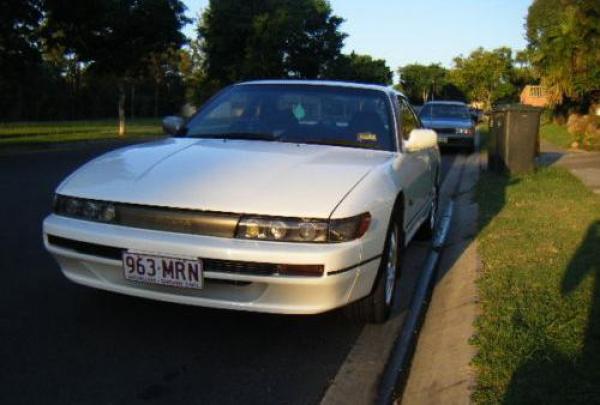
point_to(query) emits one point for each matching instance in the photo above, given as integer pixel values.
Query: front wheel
(427, 229)
(376, 307)
(471, 147)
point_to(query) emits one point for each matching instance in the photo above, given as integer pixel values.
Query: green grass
(538, 336)
(66, 131)
(557, 135)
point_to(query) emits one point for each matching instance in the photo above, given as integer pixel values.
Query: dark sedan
(452, 121)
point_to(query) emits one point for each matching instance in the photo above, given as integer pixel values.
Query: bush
(585, 129)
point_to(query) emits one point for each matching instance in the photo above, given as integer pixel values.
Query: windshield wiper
(334, 142)
(259, 136)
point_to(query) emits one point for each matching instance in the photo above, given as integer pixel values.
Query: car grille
(212, 265)
(446, 131)
(155, 218)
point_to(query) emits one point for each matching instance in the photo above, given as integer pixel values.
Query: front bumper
(348, 275)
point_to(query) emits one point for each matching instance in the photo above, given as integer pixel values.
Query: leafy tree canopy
(422, 82)
(19, 20)
(360, 68)
(116, 36)
(564, 46)
(249, 39)
(485, 76)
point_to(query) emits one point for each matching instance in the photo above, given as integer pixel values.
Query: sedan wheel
(427, 230)
(376, 307)
(392, 265)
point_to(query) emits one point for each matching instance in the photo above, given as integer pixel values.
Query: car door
(420, 185)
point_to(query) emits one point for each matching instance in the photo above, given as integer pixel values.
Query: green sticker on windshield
(299, 112)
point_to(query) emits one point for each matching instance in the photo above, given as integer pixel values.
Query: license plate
(442, 139)
(163, 270)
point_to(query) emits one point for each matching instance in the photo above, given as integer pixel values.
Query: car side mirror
(173, 125)
(420, 139)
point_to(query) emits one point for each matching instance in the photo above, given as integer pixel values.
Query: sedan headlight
(465, 131)
(303, 230)
(92, 210)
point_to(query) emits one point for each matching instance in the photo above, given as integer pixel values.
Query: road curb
(399, 361)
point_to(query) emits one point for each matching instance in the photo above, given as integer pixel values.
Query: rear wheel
(376, 307)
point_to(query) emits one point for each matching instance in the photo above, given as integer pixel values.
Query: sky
(421, 31)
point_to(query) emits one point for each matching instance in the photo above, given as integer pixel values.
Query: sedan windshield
(444, 111)
(313, 114)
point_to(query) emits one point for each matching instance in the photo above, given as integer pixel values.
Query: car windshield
(444, 111)
(314, 114)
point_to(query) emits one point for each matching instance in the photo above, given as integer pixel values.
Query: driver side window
(408, 121)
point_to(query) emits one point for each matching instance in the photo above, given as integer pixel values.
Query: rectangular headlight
(303, 230)
(91, 210)
(282, 229)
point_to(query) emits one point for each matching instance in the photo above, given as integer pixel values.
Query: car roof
(445, 103)
(332, 83)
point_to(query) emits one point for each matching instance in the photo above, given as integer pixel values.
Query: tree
(191, 67)
(484, 76)
(360, 68)
(115, 37)
(422, 82)
(161, 67)
(251, 39)
(564, 44)
(19, 52)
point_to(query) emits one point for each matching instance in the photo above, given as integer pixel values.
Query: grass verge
(538, 336)
(66, 131)
(557, 135)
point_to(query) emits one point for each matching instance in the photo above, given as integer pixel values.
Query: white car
(292, 197)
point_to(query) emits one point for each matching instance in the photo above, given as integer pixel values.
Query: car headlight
(464, 131)
(303, 230)
(92, 210)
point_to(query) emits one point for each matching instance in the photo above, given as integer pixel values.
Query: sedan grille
(149, 217)
(446, 131)
(213, 265)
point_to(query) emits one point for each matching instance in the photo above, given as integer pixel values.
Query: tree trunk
(132, 102)
(121, 107)
(156, 100)
(18, 114)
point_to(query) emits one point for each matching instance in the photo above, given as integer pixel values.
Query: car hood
(446, 123)
(258, 177)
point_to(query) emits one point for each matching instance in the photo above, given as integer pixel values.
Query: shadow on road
(548, 376)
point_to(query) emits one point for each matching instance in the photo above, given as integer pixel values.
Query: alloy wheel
(392, 265)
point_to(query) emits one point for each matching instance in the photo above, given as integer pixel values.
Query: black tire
(376, 307)
(427, 229)
(471, 147)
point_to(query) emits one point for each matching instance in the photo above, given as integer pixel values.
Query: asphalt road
(63, 343)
